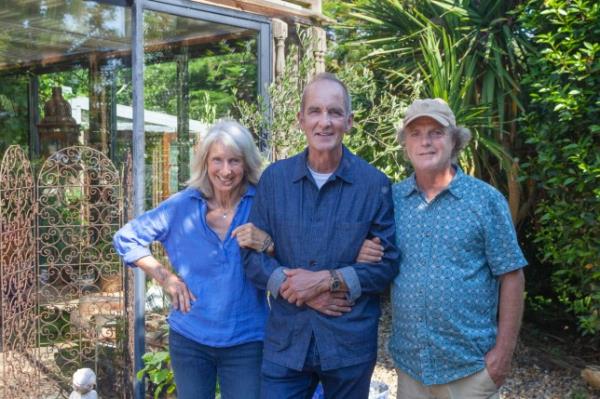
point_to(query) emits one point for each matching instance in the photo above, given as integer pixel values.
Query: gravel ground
(532, 377)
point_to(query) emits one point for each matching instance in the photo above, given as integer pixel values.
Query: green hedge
(563, 126)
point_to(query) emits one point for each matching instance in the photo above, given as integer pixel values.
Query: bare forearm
(510, 310)
(152, 267)
(175, 287)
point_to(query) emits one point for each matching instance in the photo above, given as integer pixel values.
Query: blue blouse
(229, 310)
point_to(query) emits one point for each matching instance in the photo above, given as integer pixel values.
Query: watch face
(335, 282)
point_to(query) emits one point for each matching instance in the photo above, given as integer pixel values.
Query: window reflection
(48, 31)
(195, 71)
(80, 48)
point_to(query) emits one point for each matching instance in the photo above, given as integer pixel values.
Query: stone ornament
(84, 381)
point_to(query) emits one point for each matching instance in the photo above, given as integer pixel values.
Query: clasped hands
(303, 287)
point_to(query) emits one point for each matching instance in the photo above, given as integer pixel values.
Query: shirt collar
(456, 186)
(344, 171)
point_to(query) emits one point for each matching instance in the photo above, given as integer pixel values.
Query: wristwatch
(266, 244)
(335, 284)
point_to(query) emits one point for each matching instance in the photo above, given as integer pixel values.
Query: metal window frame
(188, 9)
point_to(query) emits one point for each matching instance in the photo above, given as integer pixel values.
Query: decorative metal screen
(82, 319)
(62, 296)
(19, 374)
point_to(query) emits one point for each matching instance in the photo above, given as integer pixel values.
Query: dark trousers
(280, 382)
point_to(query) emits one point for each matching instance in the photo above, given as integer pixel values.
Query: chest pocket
(348, 240)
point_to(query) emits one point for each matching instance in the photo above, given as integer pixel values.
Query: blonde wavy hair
(237, 138)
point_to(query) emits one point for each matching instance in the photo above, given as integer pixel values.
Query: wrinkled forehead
(324, 89)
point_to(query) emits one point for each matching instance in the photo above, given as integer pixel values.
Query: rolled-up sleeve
(132, 240)
(275, 280)
(352, 282)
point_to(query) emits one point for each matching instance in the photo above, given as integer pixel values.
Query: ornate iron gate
(73, 303)
(20, 376)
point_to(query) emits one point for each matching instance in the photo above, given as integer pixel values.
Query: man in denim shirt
(319, 206)
(458, 299)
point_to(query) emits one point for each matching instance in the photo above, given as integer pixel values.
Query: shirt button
(312, 263)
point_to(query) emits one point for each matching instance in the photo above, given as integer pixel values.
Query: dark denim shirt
(318, 230)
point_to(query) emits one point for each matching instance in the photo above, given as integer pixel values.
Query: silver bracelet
(266, 244)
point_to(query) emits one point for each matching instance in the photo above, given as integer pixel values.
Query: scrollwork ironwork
(80, 207)
(18, 277)
(56, 263)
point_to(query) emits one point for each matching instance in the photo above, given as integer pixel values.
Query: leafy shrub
(157, 368)
(563, 127)
(376, 112)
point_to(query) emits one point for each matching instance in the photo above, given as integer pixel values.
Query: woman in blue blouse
(217, 317)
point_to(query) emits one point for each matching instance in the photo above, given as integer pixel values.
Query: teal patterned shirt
(445, 297)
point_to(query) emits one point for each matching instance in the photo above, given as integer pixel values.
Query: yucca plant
(468, 52)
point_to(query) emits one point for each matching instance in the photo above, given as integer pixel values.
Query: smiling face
(225, 169)
(324, 119)
(428, 146)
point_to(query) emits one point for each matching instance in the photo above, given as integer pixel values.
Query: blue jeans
(197, 367)
(280, 382)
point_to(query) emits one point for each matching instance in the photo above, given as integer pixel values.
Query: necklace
(225, 212)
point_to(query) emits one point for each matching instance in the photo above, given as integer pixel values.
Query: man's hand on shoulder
(497, 362)
(303, 285)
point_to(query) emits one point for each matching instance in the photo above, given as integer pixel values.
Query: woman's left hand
(251, 237)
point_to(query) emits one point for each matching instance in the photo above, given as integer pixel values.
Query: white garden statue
(84, 381)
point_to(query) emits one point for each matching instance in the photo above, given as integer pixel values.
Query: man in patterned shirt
(458, 299)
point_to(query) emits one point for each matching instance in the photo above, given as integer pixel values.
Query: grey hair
(460, 138)
(332, 78)
(234, 136)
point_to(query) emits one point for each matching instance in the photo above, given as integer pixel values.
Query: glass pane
(65, 79)
(81, 51)
(194, 73)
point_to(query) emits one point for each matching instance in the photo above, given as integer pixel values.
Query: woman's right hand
(251, 237)
(175, 287)
(371, 251)
(178, 291)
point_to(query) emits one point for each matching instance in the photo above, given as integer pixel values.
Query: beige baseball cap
(434, 108)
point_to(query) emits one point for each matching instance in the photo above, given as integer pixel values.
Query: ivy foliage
(563, 126)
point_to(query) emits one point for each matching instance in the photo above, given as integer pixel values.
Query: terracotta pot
(111, 283)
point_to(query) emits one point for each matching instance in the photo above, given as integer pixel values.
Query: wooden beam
(277, 9)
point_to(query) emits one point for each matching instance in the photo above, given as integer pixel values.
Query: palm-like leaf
(468, 52)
